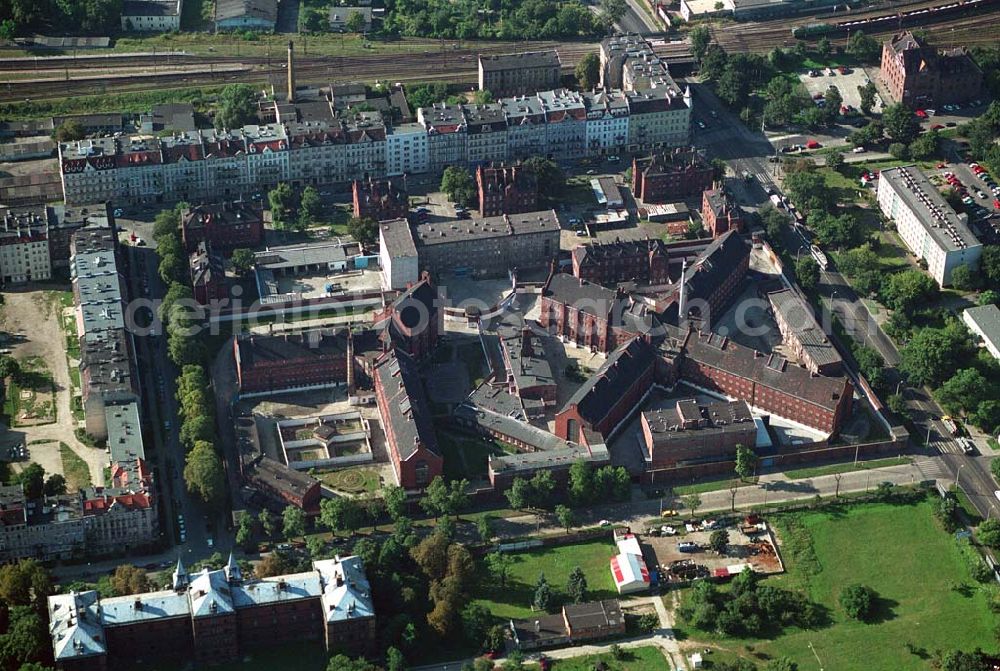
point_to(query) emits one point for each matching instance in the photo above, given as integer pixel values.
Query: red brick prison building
(720, 213)
(802, 336)
(765, 381)
(292, 361)
(506, 190)
(527, 374)
(670, 176)
(213, 617)
(641, 261)
(921, 76)
(414, 321)
(611, 394)
(208, 275)
(711, 281)
(380, 199)
(690, 432)
(224, 226)
(592, 316)
(406, 419)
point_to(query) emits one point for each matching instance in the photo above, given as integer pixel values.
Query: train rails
(912, 15)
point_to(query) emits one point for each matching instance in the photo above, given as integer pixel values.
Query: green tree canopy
(900, 123)
(204, 475)
(237, 106)
(588, 71)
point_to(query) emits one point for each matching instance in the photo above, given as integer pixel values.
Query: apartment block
(519, 74)
(931, 229)
(918, 75)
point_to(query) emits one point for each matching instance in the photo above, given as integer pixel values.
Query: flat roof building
(984, 322)
(521, 73)
(691, 432)
(802, 335)
(925, 221)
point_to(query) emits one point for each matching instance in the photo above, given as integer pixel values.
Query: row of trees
(76, 17)
(509, 20)
(294, 211)
(24, 635)
(203, 470)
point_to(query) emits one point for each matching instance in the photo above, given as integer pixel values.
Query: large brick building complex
(292, 361)
(506, 190)
(406, 419)
(414, 321)
(670, 176)
(214, 616)
(693, 432)
(224, 226)
(379, 199)
(918, 75)
(643, 261)
(720, 213)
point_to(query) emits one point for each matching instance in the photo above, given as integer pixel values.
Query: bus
(820, 257)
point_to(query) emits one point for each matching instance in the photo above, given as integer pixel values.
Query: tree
(576, 587)
(282, 201)
(588, 71)
(692, 502)
(340, 514)
(863, 266)
(293, 522)
(484, 527)
(932, 354)
(542, 486)
(871, 364)
(499, 566)
(519, 494)
(719, 541)
(988, 533)
(395, 501)
(476, 622)
(543, 594)
(614, 10)
(128, 579)
(32, 481)
(858, 601)
(313, 20)
(356, 22)
(835, 161)
(581, 482)
(807, 272)
(431, 555)
(909, 289)
(867, 93)
(964, 278)
(899, 151)
(700, 37)
(204, 475)
(964, 390)
(69, 131)
(9, 367)
(782, 664)
(831, 108)
(988, 297)
(242, 261)
(237, 104)
(184, 351)
(900, 123)
(549, 176)
(746, 461)
(199, 427)
(458, 185)
(926, 145)
(363, 229)
(824, 48)
(394, 660)
(25, 639)
(345, 663)
(864, 48)
(267, 522)
(565, 516)
(55, 485)
(986, 415)
(956, 660)
(310, 207)
(25, 583)
(990, 264)
(244, 533)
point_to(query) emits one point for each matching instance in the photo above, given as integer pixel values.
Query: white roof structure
(628, 568)
(210, 594)
(346, 592)
(75, 625)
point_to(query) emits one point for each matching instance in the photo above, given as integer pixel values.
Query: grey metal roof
(75, 625)
(346, 592)
(987, 318)
(798, 316)
(306, 254)
(211, 594)
(949, 230)
(144, 607)
(543, 221)
(278, 589)
(398, 238)
(524, 59)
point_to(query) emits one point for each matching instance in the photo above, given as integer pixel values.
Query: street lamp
(958, 474)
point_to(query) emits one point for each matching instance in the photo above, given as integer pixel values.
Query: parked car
(687, 546)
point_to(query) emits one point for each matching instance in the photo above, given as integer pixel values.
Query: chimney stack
(291, 71)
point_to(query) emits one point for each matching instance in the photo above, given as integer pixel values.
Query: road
(638, 20)
(726, 137)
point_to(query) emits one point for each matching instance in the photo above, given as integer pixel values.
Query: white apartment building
(447, 136)
(24, 247)
(984, 322)
(406, 150)
(931, 229)
(607, 121)
(151, 16)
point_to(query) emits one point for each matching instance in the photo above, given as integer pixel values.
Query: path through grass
(75, 469)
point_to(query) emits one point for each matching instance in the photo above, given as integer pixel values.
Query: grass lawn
(633, 659)
(75, 470)
(466, 456)
(514, 600)
(900, 552)
(992, 442)
(355, 480)
(710, 486)
(833, 469)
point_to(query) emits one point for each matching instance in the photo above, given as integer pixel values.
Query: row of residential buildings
(221, 164)
(121, 513)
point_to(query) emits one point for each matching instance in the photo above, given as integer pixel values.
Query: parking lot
(847, 84)
(681, 551)
(979, 192)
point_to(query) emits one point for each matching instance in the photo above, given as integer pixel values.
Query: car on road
(591, 172)
(119, 212)
(701, 124)
(573, 221)
(581, 233)
(604, 523)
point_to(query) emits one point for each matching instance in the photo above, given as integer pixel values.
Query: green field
(466, 456)
(75, 470)
(354, 479)
(833, 469)
(711, 486)
(633, 659)
(926, 597)
(514, 600)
